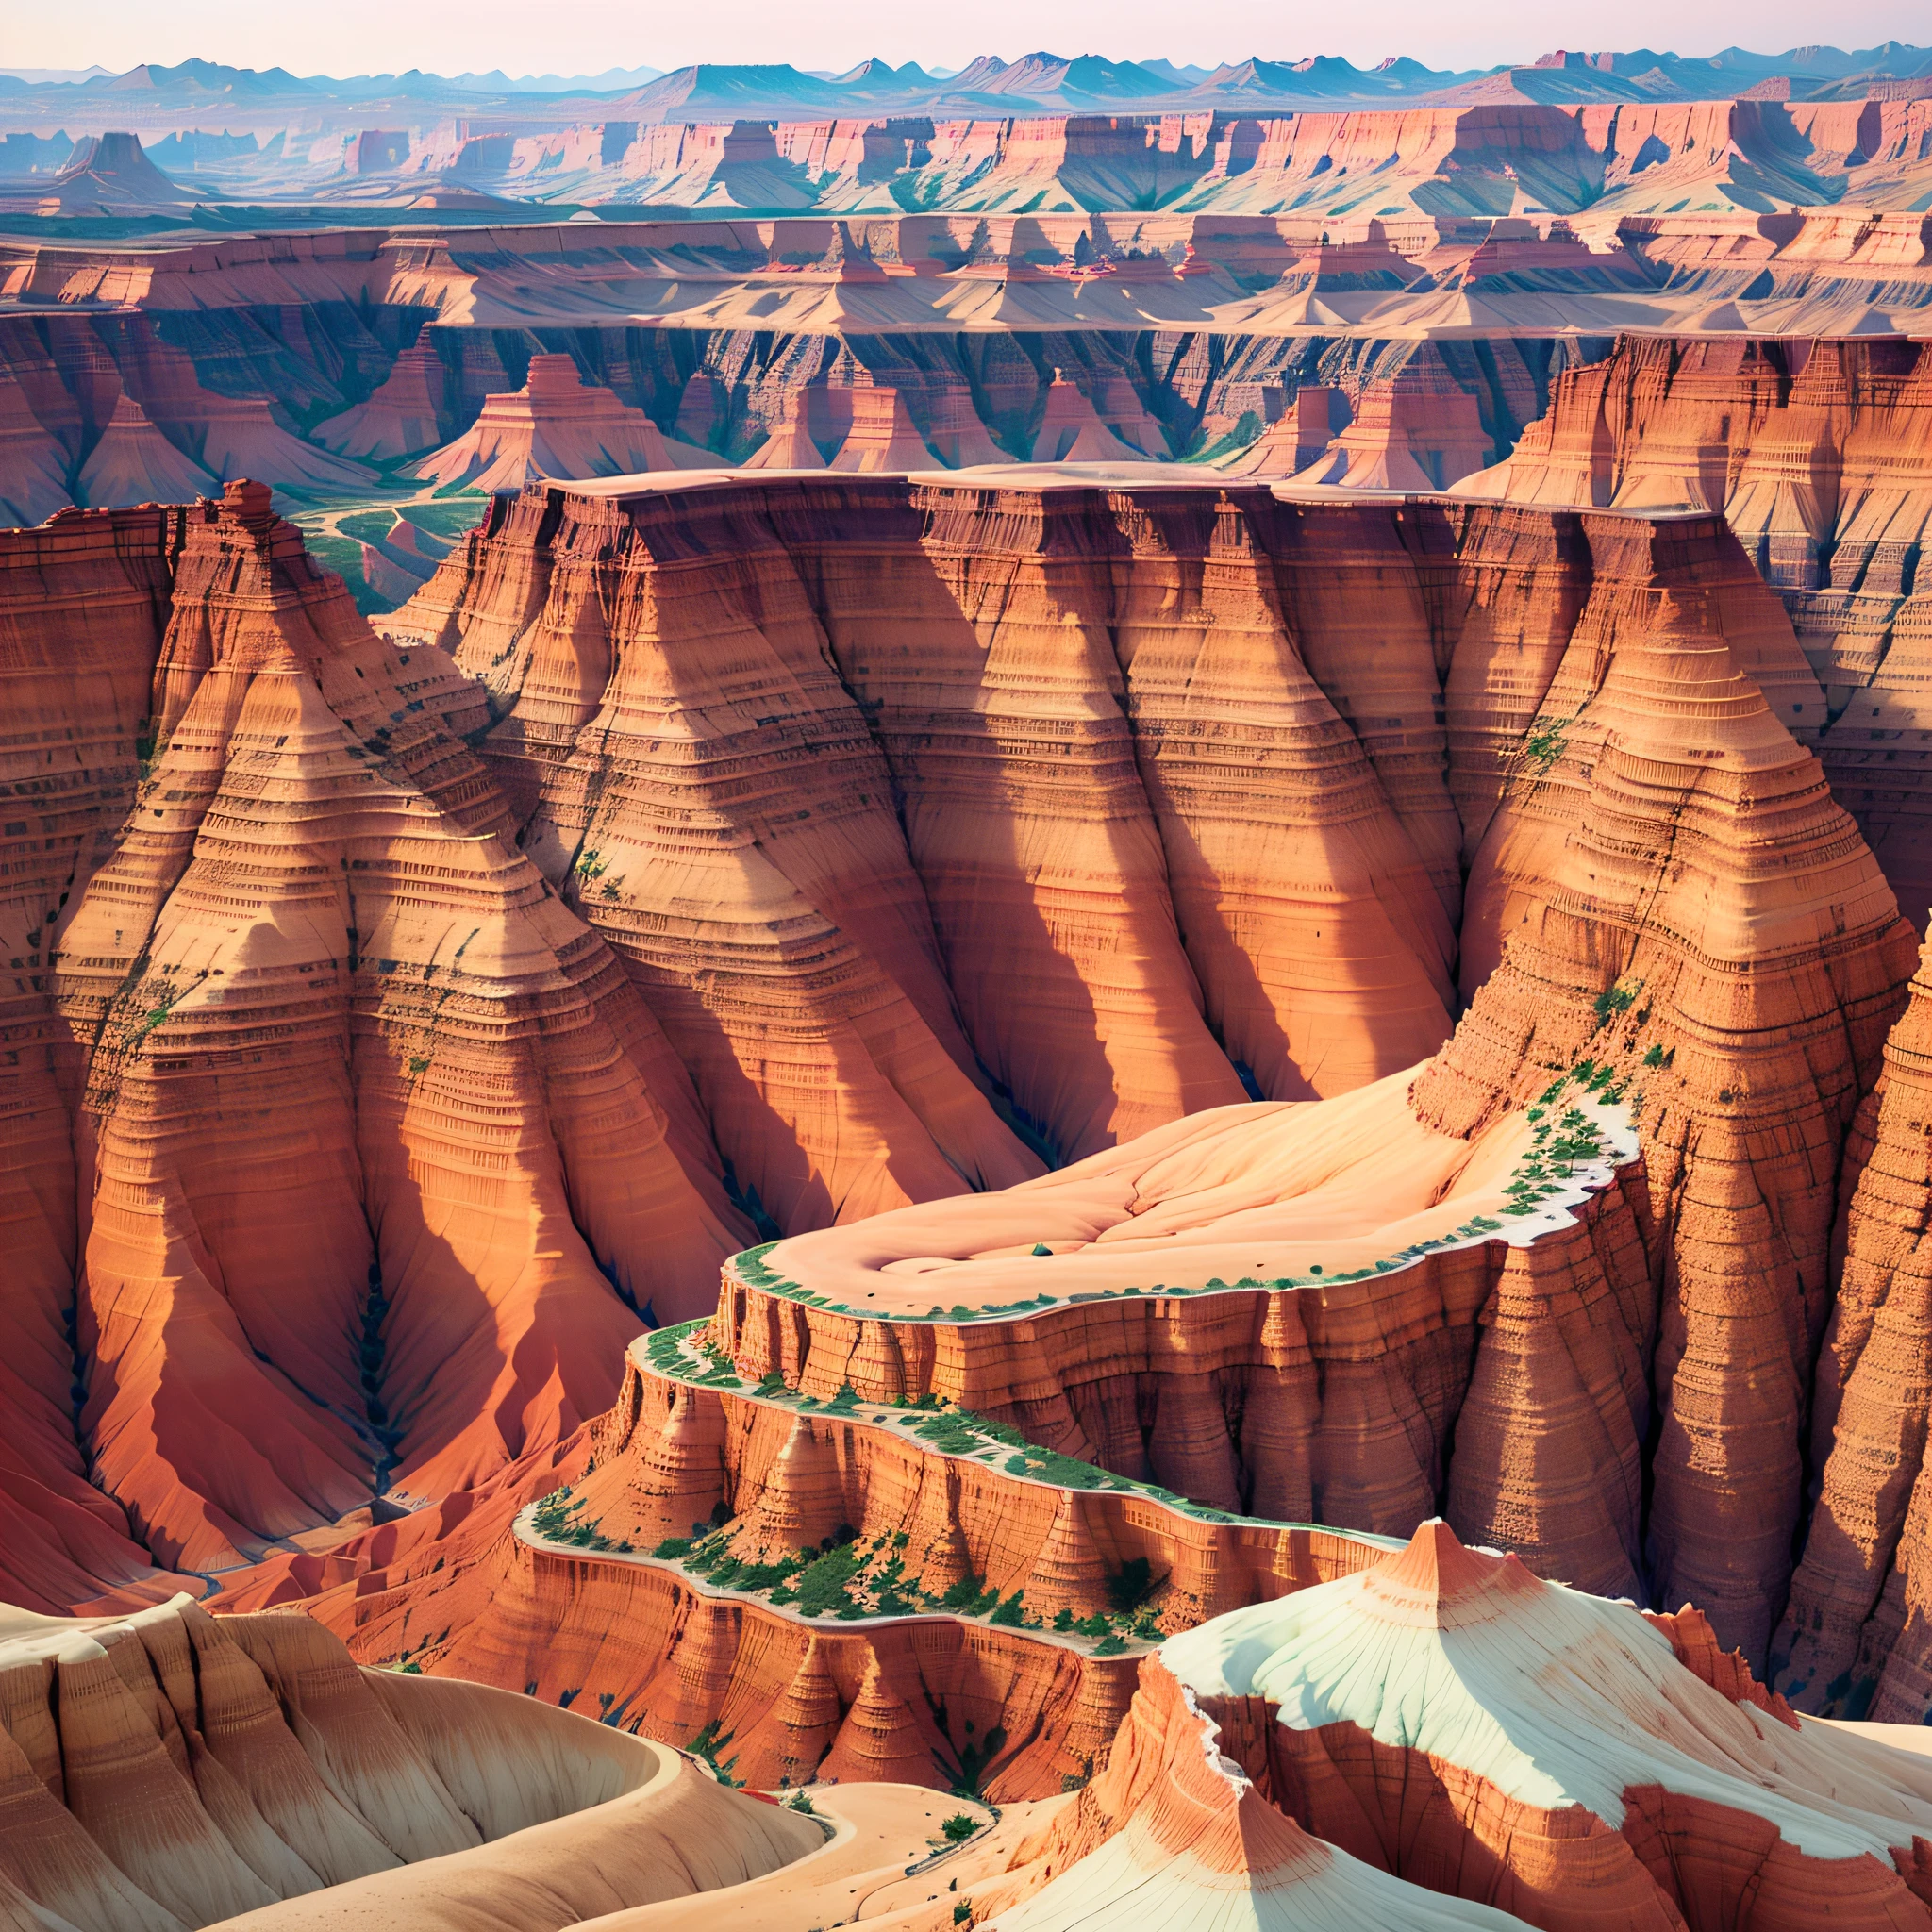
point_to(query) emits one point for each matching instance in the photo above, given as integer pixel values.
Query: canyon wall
(1817, 455)
(271, 954)
(801, 854)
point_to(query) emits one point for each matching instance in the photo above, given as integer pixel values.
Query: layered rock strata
(1085, 976)
(1746, 990)
(881, 834)
(331, 1118)
(133, 463)
(1853, 1639)
(304, 363)
(698, 783)
(1817, 454)
(171, 1771)
(555, 425)
(407, 412)
(1271, 1310)
(753, 1510)
(1445, 1718)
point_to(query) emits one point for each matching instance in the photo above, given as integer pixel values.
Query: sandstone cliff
(268, 968)
(1817, 455)
(842, 844)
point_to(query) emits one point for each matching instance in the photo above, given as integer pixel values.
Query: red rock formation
(1817, 455)
(1660, 1797)
(697, 781)
(1172, 1826)
(238, 436)
(776, 1696)
(1654, 737)
(1416, 430)
(789, 446)
(788, 1476)
(852, 816)
(1072, 432)
(1853, 1639)
(402, 416)
(1064, 951)
(1322, 953)
(882, 436)
(555, 425)
(133, 463)
(79, 615)
(391, 577)
(201, 1142)
(1294, 441)
(1358, 597)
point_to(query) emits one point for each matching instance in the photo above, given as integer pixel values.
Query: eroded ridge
(1820, 455)
(1580, 1757)
(170, 1770)
(1553, 700)
(341, 1157)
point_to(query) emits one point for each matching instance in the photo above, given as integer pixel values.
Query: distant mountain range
(150, 97)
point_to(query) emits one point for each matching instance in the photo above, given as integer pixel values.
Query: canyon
(982, 1020)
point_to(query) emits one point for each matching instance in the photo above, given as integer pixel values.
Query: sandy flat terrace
(1294, 1193)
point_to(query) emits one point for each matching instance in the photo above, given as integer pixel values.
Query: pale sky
(588, 36)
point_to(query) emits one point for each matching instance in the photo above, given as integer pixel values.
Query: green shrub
(822, 1586)
(959, 1827)
(963, 1594)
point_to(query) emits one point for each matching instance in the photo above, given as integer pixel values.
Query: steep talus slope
(172, 1770)
(553, 427)
(1307, 901)
(1031, 666)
